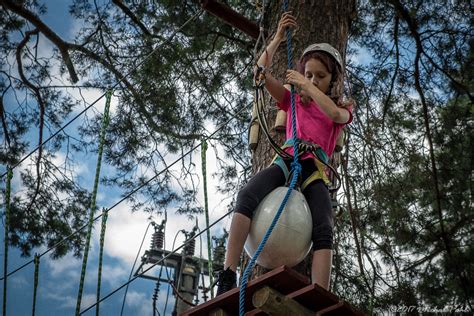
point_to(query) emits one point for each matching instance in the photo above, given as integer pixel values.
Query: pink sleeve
(349, 109)
(286, 102)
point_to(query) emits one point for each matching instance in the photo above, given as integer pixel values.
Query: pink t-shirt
(312, 124)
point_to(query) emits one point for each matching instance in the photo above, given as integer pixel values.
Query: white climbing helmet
(324, 47)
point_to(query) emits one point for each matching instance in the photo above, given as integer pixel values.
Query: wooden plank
(324, 302)
(218, 312)
(340, 309)
(282, 279)
(274, 303)
(255, 312)
(314, 297)
(330, 309)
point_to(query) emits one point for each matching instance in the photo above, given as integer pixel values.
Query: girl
(320, 118)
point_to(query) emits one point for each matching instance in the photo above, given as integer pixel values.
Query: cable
(133, 268)
(111, 88)
(167, 294)
(7, 224)
(129, 194)
(201, 266)
(35, 284)
(206, 212)
(103, 130)
(101, 255)
(260, 99)
(158, 262)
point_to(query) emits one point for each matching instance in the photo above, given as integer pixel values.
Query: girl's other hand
(287, 20)
(297, 79)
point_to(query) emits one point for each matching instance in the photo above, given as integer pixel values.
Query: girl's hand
(297, 79)
(287, 20)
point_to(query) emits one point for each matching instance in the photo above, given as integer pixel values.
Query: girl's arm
(273, 86)
(335, 113)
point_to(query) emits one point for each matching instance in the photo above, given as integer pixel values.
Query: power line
(111, 88)
(156, 263)
(129, 194)
(133, 268)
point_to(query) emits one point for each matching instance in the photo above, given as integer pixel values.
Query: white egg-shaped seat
(290, 240)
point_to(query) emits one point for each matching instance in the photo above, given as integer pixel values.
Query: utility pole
(186, 266)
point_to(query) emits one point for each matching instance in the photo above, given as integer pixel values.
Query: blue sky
(59, 279)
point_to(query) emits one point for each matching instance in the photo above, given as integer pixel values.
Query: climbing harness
(105, 123)
(321, 162)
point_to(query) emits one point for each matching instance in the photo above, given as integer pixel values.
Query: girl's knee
(322, 236)
(246, 203)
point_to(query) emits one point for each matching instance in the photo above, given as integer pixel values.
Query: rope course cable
(295, 168)
(8, 190)
(35, 283)
(105, 124)
(135, 68)
(127, 196)
(206, 211)
(158, 262)
(101, 255)
(6, 275)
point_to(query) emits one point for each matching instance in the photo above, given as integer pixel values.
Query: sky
(59, 279)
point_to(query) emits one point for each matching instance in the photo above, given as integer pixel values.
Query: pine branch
(132, 16)
(353, 220)
(395, 72)
(413, 26)
(3, 117)
(44, 29)
(41, 105)
(412, 23)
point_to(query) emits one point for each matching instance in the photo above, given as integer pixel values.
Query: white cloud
(114, 275)
(124, 233)
(18, 281)
(69, 302)
(140, 302)
(67, 265)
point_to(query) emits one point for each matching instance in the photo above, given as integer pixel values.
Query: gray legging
(316, 194)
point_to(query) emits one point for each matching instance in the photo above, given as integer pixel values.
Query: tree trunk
(319, 21)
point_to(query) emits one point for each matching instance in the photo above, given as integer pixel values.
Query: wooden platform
(283, 280)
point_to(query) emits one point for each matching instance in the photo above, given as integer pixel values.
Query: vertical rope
(296, 169)
(293, 107)
(206, 212)
(7, 227)
(105, 123)
(35, 284)
(105, 214)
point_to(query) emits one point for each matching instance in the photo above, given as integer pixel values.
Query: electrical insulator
(190, 247)
(219, 255)
(157, 240)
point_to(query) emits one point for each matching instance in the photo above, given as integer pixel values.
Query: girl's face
(318, 74)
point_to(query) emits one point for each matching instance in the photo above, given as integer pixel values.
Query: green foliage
(416, 236)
